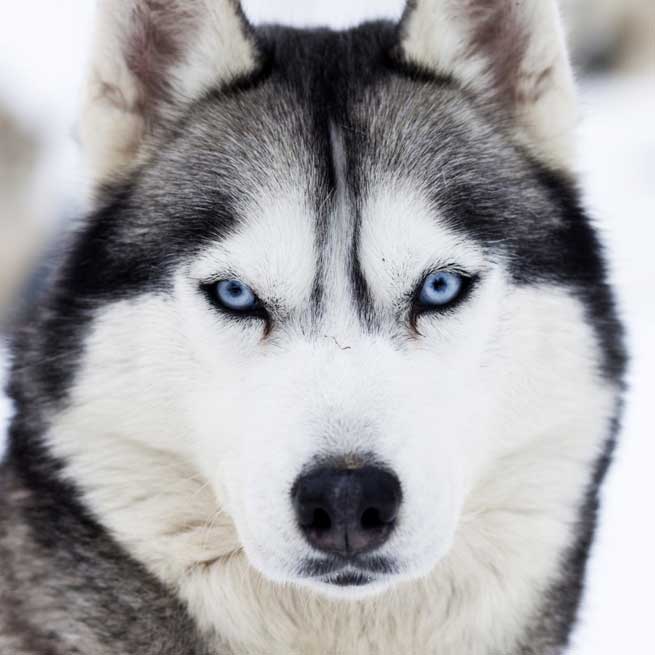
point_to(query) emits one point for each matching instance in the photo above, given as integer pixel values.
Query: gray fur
(69, 589)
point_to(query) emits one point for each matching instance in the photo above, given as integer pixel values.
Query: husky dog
(333, 368)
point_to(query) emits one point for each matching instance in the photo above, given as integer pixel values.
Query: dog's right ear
(152, 58)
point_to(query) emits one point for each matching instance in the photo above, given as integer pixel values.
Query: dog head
(341, 279)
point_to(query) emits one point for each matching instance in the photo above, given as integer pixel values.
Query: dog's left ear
(152, 59)
(509, 52)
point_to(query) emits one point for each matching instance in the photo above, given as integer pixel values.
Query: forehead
(325, 144)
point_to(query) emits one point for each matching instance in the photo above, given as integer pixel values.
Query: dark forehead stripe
(329, 69)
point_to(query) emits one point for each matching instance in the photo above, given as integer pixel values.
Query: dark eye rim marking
(419, 309)
(257, 311)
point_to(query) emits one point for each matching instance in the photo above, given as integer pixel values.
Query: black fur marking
(361, 293)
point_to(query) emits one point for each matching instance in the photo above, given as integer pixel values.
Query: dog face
(334, 363)
(336, 288)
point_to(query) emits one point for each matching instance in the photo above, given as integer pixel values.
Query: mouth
(344, 573)
(350, 578)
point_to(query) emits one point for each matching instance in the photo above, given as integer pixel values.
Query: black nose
(347, 511)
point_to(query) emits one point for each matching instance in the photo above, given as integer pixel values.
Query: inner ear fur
(151, 59)
(509, 52)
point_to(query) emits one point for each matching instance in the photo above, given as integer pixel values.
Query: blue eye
(236, 296)
(440, 289)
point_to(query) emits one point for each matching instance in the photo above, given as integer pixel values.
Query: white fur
(492, 419)
(438, 35)
(118, 110)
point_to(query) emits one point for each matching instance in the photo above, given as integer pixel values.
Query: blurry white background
(43, 50)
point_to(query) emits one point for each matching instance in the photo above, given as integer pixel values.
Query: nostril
(320, 521)
(371, 520)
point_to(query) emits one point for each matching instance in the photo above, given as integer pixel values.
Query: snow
(618, 163)
(41, 71)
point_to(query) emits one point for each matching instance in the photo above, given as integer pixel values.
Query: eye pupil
(234, 289)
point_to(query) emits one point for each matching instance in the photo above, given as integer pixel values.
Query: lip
(349, 578)
(351, 572)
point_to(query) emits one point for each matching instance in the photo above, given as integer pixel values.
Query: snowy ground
(618, 165)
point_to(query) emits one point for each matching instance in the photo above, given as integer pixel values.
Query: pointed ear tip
(149, 60)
